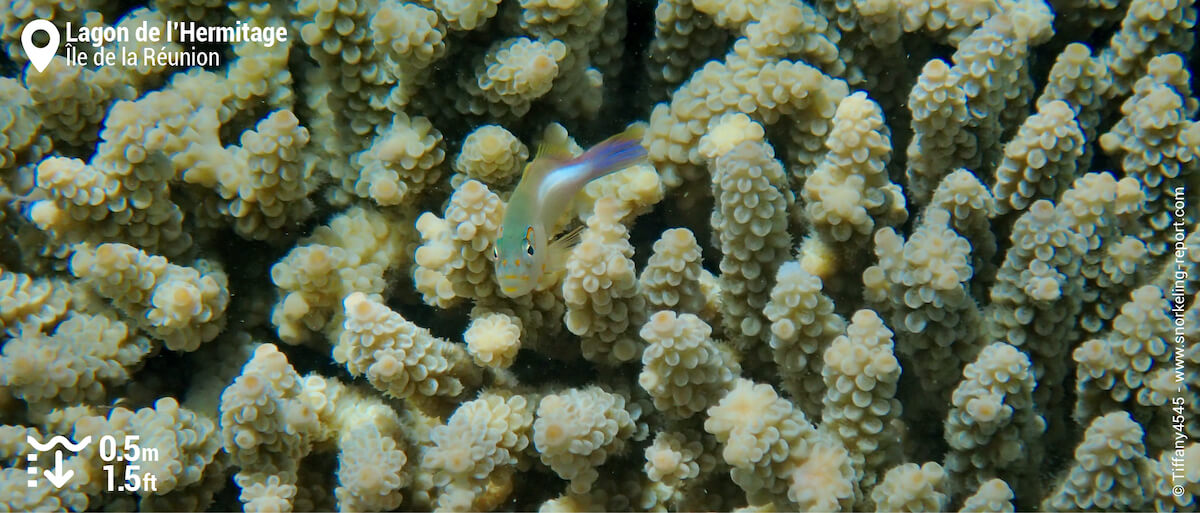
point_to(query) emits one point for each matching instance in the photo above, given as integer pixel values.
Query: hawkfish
(525, 254)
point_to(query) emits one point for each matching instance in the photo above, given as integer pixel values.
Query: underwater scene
(599, 255)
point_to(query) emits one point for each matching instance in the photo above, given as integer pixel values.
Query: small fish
(524, 253)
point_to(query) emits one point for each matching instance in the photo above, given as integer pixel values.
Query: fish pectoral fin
(567, 240)
(559, 250)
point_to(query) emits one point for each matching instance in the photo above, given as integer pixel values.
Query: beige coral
(940, 142)
(726, 132)
(479, 448)
(493, 340)
(28, 303)
(265, 426)
(453, 261)
(600, 288)
(861, 372)
(402, 161)
(267, 180)
(19, 125)
(921, 285)
(262, 493)
(849, 194)
(750, 220)
(782, 88)
(512, 74)
(412, 38)
(371, 470)
(398, 357)
(466, 14)
(803, 324)
(822, 482)
(992, 496)
(991, 231)
(1041, 159)
(577, 430)
(671, 279)
(492, 155)
(182, 306)
(637, 189)
(186, 444)
(349, 254)
(85, 358)
(673, 458)
(992, 421)
(683, 369)
(912, 487)
(773, 448)
(1105, 472)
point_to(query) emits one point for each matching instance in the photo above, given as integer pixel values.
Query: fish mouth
(512, 285)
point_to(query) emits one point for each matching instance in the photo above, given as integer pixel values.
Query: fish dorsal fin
(553, 148)
(552, 153)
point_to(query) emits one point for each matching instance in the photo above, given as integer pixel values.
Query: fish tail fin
(615, 153)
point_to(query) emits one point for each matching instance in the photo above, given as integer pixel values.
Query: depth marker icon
(58, 476)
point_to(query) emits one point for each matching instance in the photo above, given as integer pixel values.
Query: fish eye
(528, 248)
(495, 253)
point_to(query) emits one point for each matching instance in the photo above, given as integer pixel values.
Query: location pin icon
(40, 57)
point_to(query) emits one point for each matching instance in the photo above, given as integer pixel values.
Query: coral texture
(876, 255)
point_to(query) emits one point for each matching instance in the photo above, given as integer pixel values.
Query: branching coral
(1037, 287)
(492, 155)
(860, 373)
(86, 357)
(182, 306)
(922, 285)
(671, 279)
(803, 324)
(577, 430)
(992, 421)
(892, 256)
(265, 426)
(750, 221)
(479, 447)
(683, 370)
(28, 303)
(849, 189)
(452, 261)
(1105, 473)
(775, 452)
(350, 254)
(404, 159)
(398, 357)
(604, 305)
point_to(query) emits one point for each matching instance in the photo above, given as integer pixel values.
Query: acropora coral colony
(910, 255)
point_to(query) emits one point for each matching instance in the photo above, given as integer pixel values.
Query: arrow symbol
(58, 478)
